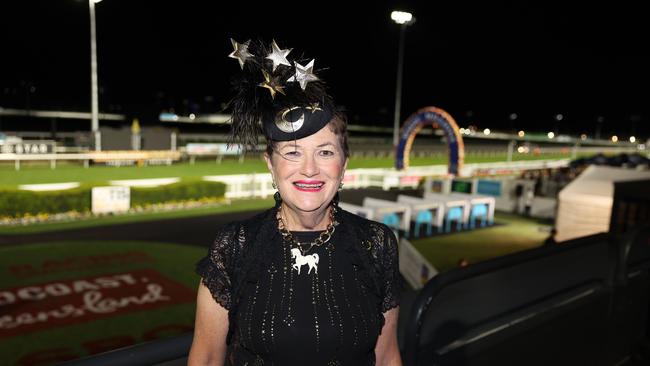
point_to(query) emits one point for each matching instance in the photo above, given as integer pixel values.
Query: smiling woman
(304, 282)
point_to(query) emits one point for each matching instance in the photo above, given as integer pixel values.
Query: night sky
(479, 61)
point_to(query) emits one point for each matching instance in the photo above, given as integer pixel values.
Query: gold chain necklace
(323, 238)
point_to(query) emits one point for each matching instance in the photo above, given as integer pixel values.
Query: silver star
(272, 84)
(278, 56)
(240, 52)
(304, 74)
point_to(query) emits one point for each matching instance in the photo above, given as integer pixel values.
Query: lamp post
(94, 99)
(404, 19)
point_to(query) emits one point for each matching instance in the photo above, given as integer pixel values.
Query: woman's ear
(269, 163)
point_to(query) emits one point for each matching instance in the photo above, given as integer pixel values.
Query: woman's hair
(338, 125)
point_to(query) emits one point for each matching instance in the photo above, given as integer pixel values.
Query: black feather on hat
(278, 96)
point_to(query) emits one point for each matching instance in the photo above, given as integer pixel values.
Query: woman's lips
(309, 186)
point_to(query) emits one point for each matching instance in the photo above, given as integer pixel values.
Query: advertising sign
(414, 267)
(110, 199)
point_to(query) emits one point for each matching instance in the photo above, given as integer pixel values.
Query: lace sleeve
(391, 281)
(215, 268)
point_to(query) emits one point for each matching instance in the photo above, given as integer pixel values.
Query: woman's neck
(305, 221)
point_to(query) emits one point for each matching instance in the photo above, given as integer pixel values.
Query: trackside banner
(31, 308)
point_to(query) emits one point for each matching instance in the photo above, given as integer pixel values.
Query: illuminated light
(486, 131)
(521, 149)
(641, 147)
(192, 116)
(550, 135)
(521, 133)
(513, 116)
(614, 138)
(462, 131)
(632, 139)
(583, 137)
(559, 117)
(401, 17)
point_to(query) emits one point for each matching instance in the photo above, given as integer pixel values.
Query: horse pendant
(299, 260)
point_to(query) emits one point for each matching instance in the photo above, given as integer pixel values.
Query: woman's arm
(386, 349)
(210, 331)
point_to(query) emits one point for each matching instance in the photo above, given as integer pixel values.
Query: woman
(304, 283)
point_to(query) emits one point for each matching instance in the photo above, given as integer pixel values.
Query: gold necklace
(323, 238)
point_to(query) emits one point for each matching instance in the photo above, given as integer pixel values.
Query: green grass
(510, 234)
(172, 261)
(233, 206)
(95, 175)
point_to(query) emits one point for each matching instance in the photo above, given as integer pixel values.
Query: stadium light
(486, 131)
(632, 139)
(521, 133)
(404, 19)
(550, 135)
(614, 138)
(94, 99)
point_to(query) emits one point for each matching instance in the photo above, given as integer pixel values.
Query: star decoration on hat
(304, 74)
(272, 84)
(278, 56)
(240, 52)
(314, 107)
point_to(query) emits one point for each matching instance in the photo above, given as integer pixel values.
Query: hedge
(181, 191)
(18, 203)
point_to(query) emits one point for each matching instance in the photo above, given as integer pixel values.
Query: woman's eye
(292, 154)
(326, 153)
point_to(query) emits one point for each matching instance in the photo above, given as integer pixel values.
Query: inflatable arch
(437, 118)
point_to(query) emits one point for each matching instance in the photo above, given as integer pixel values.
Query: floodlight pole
(94, 99)
(398, 84)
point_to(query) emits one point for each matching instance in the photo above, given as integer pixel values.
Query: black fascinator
(275, 94)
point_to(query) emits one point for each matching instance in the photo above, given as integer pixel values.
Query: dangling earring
(277, 198)
(340, 186)
(274, 186)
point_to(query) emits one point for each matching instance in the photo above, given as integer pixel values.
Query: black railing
(143, 354)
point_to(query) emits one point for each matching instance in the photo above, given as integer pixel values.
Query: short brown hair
(338, 125)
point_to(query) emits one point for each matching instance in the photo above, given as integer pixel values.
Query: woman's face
(308, 171)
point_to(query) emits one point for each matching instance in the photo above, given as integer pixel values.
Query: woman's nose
(309, 166)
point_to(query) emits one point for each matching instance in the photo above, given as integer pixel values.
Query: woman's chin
(309, 205)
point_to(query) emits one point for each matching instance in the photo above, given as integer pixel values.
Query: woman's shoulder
(241, 231)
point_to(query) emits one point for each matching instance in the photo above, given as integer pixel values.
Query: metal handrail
(147, 353)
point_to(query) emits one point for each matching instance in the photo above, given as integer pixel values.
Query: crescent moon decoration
(288, 126)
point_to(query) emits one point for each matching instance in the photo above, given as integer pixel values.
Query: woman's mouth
(308, 186)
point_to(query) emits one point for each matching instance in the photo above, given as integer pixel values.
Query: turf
(510, 234)
(173, 261)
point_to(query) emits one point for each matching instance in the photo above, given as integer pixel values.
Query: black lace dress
(328, 315)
